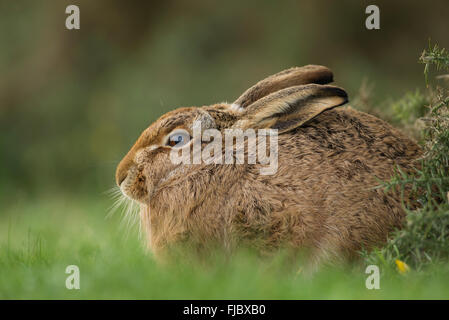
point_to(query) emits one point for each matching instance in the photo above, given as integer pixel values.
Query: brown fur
(321, 197)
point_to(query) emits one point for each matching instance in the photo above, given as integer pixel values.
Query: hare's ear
(284, 79)
(290, 108)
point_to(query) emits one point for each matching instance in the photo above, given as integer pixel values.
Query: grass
(39, 238)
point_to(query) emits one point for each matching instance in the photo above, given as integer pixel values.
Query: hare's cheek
(153, 171)
(156, 169)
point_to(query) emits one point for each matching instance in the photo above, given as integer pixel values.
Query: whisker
(128, 207)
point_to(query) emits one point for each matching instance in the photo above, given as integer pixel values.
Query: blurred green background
(72, 102)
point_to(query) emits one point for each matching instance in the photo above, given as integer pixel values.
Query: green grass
(39, 238)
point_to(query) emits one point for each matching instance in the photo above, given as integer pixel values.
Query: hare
(322, 198)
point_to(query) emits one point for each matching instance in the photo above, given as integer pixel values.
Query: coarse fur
(322, 197)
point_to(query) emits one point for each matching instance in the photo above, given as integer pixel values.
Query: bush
(425, 236)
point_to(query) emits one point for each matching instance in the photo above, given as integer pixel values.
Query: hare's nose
(123, 168)
(122, 172)
(121, 177)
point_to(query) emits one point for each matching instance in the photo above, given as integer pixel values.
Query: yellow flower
(402, 266)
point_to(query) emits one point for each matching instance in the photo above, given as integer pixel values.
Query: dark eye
(178, 138)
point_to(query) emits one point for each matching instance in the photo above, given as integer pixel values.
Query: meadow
(40, 237)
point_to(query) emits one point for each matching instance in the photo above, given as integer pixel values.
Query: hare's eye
(178, 139)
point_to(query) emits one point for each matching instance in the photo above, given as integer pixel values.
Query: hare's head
(283, 101)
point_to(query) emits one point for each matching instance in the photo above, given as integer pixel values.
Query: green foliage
(425, 237)
(410, 108)
(423, 242)
(438, 57)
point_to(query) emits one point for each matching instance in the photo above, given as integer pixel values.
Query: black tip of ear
(337, 92)
(320, 74)
(342, 93)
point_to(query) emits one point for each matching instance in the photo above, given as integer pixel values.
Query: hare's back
(343, 145)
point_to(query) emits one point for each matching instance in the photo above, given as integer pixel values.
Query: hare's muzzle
(122, 170)
(120, 177)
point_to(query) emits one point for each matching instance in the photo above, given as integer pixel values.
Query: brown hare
(321, 197)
